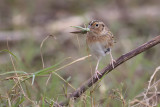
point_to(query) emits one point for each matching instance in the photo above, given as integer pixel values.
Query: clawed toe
(97, 73)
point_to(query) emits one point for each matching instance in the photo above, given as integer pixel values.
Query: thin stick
(76, 94)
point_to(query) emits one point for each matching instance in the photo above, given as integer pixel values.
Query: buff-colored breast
(106, 39)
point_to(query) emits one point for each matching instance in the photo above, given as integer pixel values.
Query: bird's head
(96, 27)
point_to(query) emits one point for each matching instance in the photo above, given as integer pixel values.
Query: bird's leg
(96, 70)
(112, 60)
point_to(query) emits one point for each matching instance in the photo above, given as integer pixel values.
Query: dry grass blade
(54, 71)
(77, 60)
(64, 80)
(149, 97)
(42, 46)
(138, 103)
(149, 85)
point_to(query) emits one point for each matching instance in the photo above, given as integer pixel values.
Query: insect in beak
(81, 30)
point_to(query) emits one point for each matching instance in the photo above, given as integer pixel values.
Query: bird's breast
(99, 45)
(93, 39)
(96, 49)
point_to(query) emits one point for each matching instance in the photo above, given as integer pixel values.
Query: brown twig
(77, 93)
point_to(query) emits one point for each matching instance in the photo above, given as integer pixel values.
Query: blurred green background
(25, 24)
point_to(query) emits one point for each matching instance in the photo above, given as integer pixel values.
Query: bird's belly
(97, 49)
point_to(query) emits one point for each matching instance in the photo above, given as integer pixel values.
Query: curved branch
(77, 93)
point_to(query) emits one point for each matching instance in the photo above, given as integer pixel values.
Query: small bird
(99, 40)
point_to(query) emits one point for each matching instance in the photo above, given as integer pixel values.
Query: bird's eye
(96, 25)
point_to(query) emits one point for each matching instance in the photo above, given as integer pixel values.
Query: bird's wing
(109, 39)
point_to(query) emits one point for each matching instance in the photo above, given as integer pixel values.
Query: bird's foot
(112, 62)
(97, 73)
